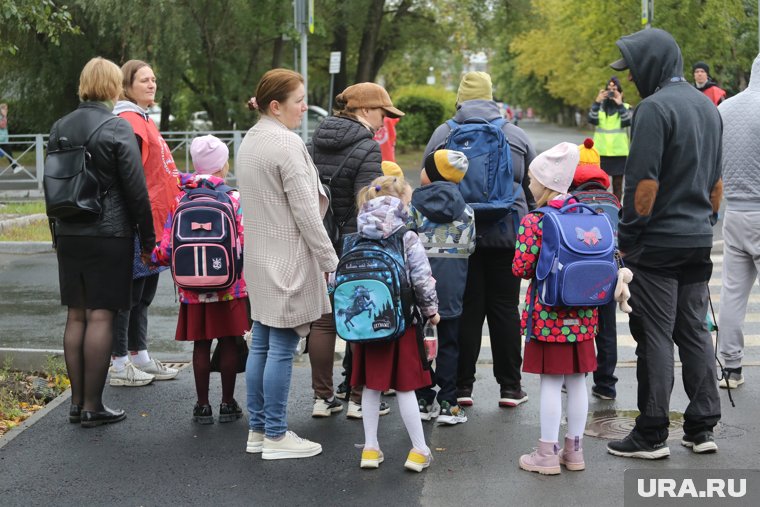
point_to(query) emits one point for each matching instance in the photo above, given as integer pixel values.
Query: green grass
(22, 207)
(410, 161)
(35, 231)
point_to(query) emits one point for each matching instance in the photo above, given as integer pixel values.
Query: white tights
(551, 405)
(410, 413)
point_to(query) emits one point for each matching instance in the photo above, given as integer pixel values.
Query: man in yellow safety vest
(612, 117)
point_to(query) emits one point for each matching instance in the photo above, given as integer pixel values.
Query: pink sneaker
(572, 454)
(543, 459)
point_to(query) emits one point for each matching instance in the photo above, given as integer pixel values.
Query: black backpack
(72, 188)
(334, 225)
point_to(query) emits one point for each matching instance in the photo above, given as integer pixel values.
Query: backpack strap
(342, 220)
(589, 184)
(99, 125)
(531, 306)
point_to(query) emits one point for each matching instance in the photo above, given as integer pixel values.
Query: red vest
(715, 94)
(161, 176)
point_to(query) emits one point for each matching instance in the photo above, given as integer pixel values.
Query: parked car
(154, 113)
(314, 115)
(200, 121)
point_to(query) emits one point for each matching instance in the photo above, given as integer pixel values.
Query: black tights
(228, 359)
(87, 342)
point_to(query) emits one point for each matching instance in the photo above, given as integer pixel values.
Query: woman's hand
(434, 319)
(145, 258)
(601, 96)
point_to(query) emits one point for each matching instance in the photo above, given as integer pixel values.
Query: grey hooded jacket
(672, 175)
(741, 150)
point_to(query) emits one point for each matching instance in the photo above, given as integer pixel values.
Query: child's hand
(435, 319)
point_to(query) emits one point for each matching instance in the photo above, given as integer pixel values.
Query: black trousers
(491, 292)
(669, 296)
(446, 364)
(606, 350)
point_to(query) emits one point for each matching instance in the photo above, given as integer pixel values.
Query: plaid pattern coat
(287, 248)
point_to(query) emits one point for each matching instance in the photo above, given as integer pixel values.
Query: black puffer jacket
(334, 138)
(116, 157)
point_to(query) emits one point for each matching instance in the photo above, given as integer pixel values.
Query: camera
(610, 95)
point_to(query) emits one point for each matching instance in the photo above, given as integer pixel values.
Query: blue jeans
(606, 350)
(267, 377)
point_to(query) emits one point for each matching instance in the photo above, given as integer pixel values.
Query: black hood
(334, 133)
(653, 57)
(440, 202)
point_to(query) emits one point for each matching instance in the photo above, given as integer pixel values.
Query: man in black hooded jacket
(671, 199)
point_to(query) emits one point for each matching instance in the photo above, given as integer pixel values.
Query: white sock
(141, 357)
(120, 362)
(371, 416)
(550, 406)
(410, 413)
(577, 404)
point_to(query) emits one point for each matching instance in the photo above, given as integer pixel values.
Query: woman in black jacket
(95, 257)
(348, 159)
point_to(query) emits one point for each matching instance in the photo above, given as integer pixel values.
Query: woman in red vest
(162, 180)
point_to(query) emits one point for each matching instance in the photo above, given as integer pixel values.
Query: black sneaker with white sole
(635, 446)
(701, 443)
(511, 397)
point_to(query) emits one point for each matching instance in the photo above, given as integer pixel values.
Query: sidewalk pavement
(158, 456)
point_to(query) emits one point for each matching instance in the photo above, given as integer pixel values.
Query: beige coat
(287, 250)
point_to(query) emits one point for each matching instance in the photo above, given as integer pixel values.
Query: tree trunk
(391, 39)
(369, 41)
(277, 50)
(340, 43)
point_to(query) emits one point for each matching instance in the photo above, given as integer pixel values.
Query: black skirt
(95, 273)
(614, 166)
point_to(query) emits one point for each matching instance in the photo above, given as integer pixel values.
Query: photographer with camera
(611, 116)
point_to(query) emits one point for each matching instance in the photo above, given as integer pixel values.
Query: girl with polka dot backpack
(559, 330)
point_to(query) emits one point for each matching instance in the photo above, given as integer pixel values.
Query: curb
(28, 423)
(26, 247)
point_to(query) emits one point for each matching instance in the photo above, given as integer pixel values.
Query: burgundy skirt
(206, 321)
(390, 365)
(559, 358)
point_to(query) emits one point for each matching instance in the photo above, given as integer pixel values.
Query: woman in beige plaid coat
(287, 255)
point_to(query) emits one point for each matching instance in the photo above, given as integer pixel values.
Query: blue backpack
(488, 185)
(576, 264)
(206, 251)
(373, 299)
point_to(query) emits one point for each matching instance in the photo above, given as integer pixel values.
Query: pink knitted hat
(555, 167)
(209, 154)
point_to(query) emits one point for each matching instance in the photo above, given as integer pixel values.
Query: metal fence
(22, 159)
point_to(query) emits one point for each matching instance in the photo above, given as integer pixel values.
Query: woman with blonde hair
(287, 255)
(95, 258)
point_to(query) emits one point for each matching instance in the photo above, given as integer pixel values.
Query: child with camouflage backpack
(446, 226)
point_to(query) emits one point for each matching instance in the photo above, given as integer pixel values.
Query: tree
(41, 17)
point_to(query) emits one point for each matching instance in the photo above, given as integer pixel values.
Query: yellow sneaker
(416, 461)
(371, 458)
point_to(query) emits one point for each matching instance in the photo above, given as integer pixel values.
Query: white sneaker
(734, 379)
(324, 408)
(157, 369)
(290, 446)
(129, 376)
(255, 442)
(355, 410)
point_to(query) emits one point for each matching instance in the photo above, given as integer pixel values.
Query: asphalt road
(157, 456)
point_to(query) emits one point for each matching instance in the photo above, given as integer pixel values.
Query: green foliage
(38, 17)
(422, 116)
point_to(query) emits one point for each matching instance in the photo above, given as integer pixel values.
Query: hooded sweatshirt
(523, 154)
(672, 175)
(446, 226)
(741, 155)
(382, 216)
